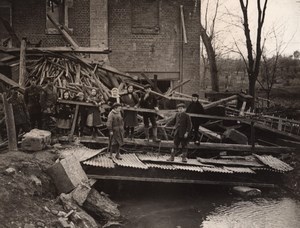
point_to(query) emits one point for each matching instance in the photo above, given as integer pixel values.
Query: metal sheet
(216, 170)
(163, 158)
(160, 166)
(82, 153)
(238, 162)
(274, 163)
(100, 161)
(188, 168)
(130, 160)
(240, 169)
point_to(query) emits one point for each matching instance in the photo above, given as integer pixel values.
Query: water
(180, 206)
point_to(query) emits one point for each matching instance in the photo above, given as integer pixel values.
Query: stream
(153, 205)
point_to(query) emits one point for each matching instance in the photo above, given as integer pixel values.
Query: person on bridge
(130, 99)
(183, 126)
(115, 125)
(149, 101)
(196, 107)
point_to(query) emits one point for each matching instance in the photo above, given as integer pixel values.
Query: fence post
(10, 124)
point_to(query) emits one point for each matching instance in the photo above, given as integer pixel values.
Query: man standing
(32, 100)
(21, 115)
(48, 101)
(196, 108)
(115, 125)
(149, 101)
(183, 126)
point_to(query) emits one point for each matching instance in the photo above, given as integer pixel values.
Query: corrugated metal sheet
(160, 166)
(240, 169)
(82, 153)
(216, 170)
(100, 161)
(130, 160)
(163, 158)
(238, 162)
(274, 163)
(188, 168)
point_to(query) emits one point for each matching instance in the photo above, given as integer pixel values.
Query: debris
(67, 174)
(36, 180)
(29, 225)
(101, 206)
(10, 171)
(246, 191)
(65, 224)
(36, 140)
(61, 214)
(80, 193)
(235, 136)
(80, 218)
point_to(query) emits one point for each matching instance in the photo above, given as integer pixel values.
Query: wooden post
(155, 82)
(252, 137)
(74, 122)
(10, 124)
(22, 66)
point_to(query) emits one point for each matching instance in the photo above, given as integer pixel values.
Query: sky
(282, 15)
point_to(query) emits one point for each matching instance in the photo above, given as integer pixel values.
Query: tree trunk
(211, 58)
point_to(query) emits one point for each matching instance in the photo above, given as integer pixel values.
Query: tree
(253, 62)
(207, 36)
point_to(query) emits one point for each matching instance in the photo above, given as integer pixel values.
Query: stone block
(36, 140)
(67, 174)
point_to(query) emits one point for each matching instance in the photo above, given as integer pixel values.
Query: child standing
(64, 115)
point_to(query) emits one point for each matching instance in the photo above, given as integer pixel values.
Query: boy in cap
(183, 126)
(32, 98)
(115, 125)
(149, 101)
(196, 108)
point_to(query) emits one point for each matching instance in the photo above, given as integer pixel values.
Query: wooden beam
(181, 181)
(74, 122)
(65, 34)
(202, 146)
(11, 31)
(22, 66)
(10, 124)
(153, 92)
(219, 102)
(10, 82)
(183, 24)
(30, 50)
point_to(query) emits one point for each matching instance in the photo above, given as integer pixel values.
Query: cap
(181, 105)
(116, 105)
(195, 95)
(147, 86)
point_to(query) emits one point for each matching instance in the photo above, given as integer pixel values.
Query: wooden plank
(153, 92)
(92, 50)
(10, 82)
(10, 124)
(65, 34)
(74, 122)
(202, 146)
(11, 31)
(183, 24)
(210, 134)
(219, 102)
(181, 181)
(22, 66)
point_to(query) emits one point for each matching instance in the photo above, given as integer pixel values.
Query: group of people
(40, 106)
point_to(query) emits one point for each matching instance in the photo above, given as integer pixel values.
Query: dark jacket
(19, 109)
(149, 102)
(183, 124)
(130, 117)
(48, 98)
(32, 96)
(196, 108)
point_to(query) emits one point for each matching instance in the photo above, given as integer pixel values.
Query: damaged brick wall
(156, 53)
(29, 20)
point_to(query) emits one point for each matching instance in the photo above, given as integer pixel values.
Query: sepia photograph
(149, 113)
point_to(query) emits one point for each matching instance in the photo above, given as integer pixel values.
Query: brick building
(144, 35)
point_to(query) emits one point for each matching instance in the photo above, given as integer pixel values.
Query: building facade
(145, 36)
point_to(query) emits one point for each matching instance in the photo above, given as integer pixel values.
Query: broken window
(58, 10)
(145, 16)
